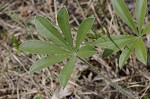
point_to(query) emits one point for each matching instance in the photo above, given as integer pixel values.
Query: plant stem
(115, 85)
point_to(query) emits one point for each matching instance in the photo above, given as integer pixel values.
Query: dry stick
(119, 88)
(82, 12)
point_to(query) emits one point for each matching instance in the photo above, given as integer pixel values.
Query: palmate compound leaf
(140, 51)
(63, 21)
(86, 51)
(140, 10)
(66, 72)
(123, 12)
(47, 61)
(46, 29)
(83, 29)
(40, 47)
(126, 54)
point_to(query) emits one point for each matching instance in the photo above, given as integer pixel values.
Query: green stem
(115, 85)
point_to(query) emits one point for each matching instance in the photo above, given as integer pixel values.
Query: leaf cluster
(128, 43)
(60, 45)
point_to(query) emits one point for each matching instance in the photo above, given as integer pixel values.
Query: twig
(119, 88)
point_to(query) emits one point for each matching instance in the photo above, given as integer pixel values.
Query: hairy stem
(115, 85)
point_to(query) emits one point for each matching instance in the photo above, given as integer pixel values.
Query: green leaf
(111, 40)
(107, 52)
(46, 29)
(84, 27)
(63, 21)
(66, 72)
(140, 10)
(123, 12)
(40, 47)
(125, 54)
(86, 51)
(47, 61)
(140, 51)
(146, 29)
(113, 49)
(120, 45)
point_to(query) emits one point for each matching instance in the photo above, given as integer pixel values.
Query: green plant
(60, 45)
(128, 43)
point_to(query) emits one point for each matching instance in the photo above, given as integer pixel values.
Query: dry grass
(16, 82)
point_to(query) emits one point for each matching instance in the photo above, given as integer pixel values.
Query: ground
(16, 81)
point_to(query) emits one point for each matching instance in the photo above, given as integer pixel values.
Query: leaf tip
(61, 80)
(63, 9)
(36, 18)
(32, 70)
(121, 64)
(39, 18)
(91, 19)
(144, 62)
(107, 52)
